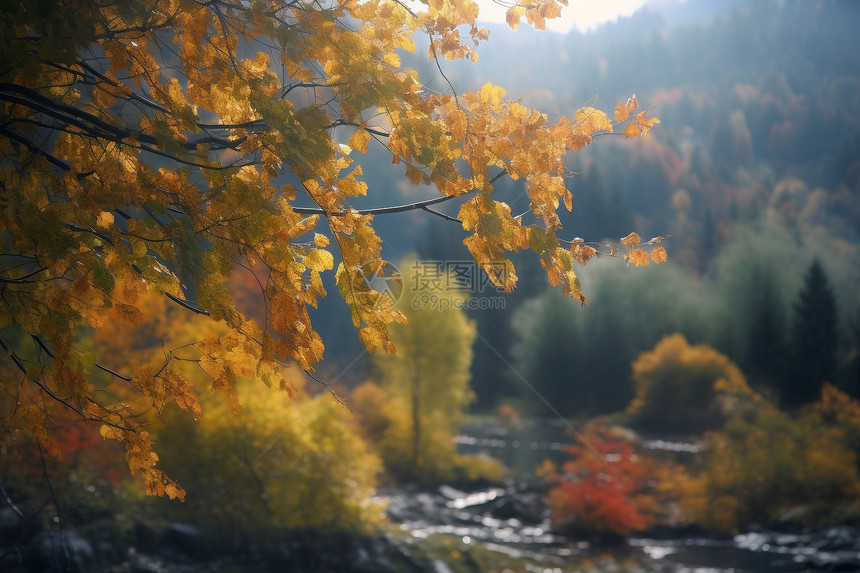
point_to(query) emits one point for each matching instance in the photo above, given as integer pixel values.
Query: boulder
(837, 538)
(63, 551)
(181, 540)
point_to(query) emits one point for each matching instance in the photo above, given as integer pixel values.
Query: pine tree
(852, 380)
(814, 338)
(765, 355)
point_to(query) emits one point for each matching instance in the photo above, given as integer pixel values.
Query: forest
(626, 340)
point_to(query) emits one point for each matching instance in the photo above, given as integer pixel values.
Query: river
(450, 527)
(507, 529)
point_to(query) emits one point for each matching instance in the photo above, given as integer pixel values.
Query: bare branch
(189, 305)
(376, 210)
(33, 149)
(440, 214)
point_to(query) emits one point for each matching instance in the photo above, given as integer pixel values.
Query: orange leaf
(638, 257)
(640, 125)
(104, 220)
(513, 15)
(584, 254)
(658, 255)
(623, 111)
(631, 240)
(359, 140)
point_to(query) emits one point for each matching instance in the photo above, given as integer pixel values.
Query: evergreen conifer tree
(814, 338)
(765, 354)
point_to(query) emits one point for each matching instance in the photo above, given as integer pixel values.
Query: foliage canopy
(154, 145)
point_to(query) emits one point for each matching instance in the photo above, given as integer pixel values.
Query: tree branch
(440, 214)
(185, 304)
(33, 149)
(376, 210)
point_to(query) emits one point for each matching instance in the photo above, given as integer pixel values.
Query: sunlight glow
(584, 15)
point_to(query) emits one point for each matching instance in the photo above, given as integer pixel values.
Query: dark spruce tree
(852, 380)
(764, 358)
(814, 338)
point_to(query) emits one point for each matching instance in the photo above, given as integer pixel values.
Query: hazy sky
(583, 14)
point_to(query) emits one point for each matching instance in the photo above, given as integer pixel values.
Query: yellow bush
(765, 463)
(840, 411)
(758, 462)
(478, 468)
(282, 464)
(684, 389)
(386, 424)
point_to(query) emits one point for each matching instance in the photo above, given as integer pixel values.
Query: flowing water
(508, 529)
(458, 522)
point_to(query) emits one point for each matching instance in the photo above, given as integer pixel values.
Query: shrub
(282, 464)
(765, 462)
(684, 389)
(386, 424)
(595, 495)
(509, 416)
(838, 410)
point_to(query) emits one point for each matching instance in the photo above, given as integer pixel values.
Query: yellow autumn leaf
(174, 492)
(590, 121)
(513, 16)
(415, 176)
(269, 353)
(359, 140)
(319, 260)
(638, 257)
(535, 17)
(109, 432)
(320, 240)
(658, 255)
(371, 338)
(491, 96)
(640, 125)
(104, 220)
(550, 9)
(631, 240)
(392, 59)
(584, 253)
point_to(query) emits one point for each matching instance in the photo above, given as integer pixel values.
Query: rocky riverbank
(446, 530)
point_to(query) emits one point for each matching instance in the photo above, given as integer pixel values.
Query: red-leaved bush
(594, 495)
